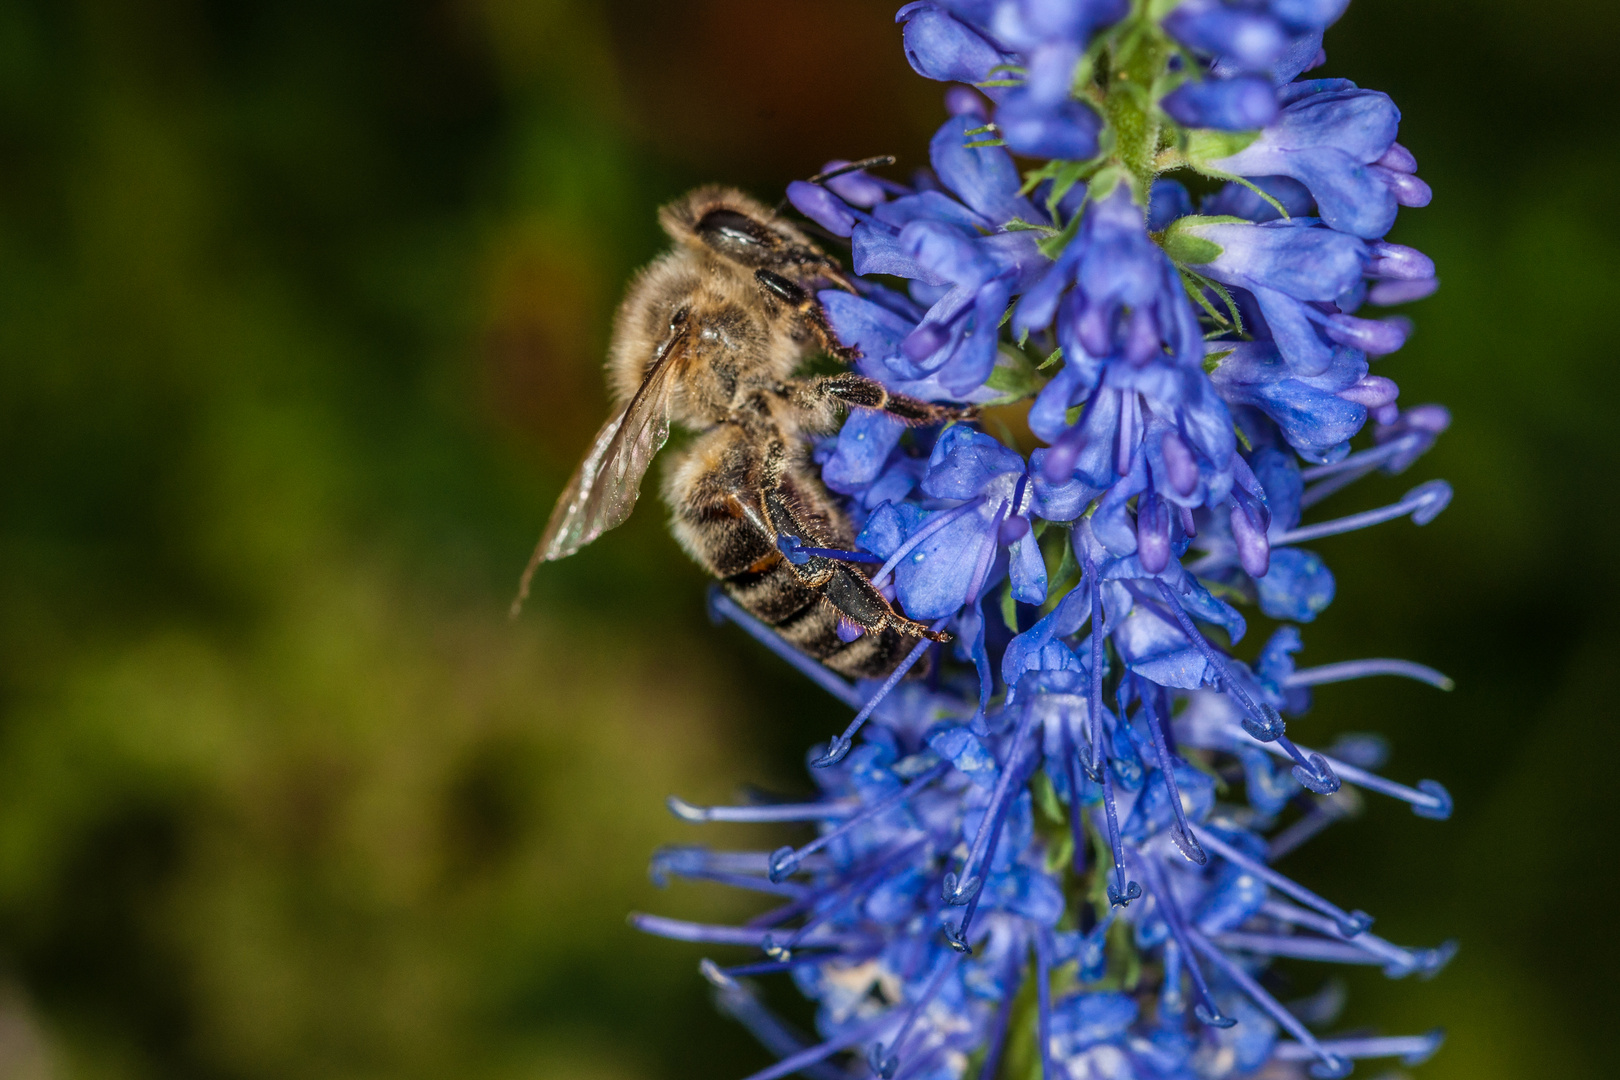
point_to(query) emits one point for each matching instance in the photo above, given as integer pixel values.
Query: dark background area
(302, 306)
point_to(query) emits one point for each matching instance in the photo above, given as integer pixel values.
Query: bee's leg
(859, 392)
(809, 309)
(840, 583)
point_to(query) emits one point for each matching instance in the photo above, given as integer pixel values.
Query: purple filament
(1207, 1012)
(1296, 946)
(726, 607)
(780, 950)
(872, 872)
(929, 528)
(810, 1055)
(681, 860)
(1077, 828)
(786, 860)
(766, 814)
(710, 934)
(1398, 962)
(1411, 1049)
(1121, 892)
(1342, 474)
(958, 939)
(1267, 724)
(1431, 800)
(962, 888)
(1332, 1064)
(739, 1002)
(1322, 815)
(1097, 616)
(840, 746)
(773, 967)
(1423, 502)
(1182, 835)
(998, 1033)
(1043, 1002)
(1349, 924)
(886, 1066)
(1361, 669)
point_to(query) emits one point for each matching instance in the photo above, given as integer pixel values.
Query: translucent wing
(604, 488)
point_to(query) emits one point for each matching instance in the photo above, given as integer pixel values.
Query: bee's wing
(604, 488)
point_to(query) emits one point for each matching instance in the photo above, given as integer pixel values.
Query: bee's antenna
(854, 166)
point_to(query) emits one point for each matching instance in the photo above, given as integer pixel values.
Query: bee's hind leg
(857, 391)
(848, 590)
(841, 583)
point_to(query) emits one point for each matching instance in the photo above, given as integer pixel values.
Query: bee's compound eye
(729, 230)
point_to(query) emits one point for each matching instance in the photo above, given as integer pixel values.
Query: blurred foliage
(301, 311)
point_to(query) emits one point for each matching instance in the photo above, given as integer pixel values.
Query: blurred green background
(302, 305)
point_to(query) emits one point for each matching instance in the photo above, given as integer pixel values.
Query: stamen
(769, 813)
(929, 528)
(772, 967)
(1096, 670)
(885, 1066)
(1423, 502)
(828, 904)
(711, 934)
(1263, 722)
(1043, 1001)
(785, 860)
(987, 554)
(1121, 892)
(796, 1062)
(1430, 799)
(685, 858)
(957, 937)
(998, 1031)
(1361, 669)
(798, 554)
(1180, 834)
(1348, 923)
(725, 607)
(959, 889)
(840, 746)
(1360, 463)
(1297, 947)
(1398, 962)
(680, 862)
(1331, 1064)
(1323, 814)
(1077, 829)
(1413, 1050)
(738, 1001)
(1206, 1010)
(870, 872)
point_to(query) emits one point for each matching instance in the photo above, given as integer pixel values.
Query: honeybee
(709, 336)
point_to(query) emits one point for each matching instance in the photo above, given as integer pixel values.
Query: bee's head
(727, 223)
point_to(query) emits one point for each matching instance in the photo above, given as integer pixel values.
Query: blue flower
(1316, 414)
(940, 46)
(931, 893)
(1339, 142)
(1279, 38)
(1301, 277)
(965, 271)
(1047, 795)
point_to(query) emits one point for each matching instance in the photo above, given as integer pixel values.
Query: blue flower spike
(1191, 378)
